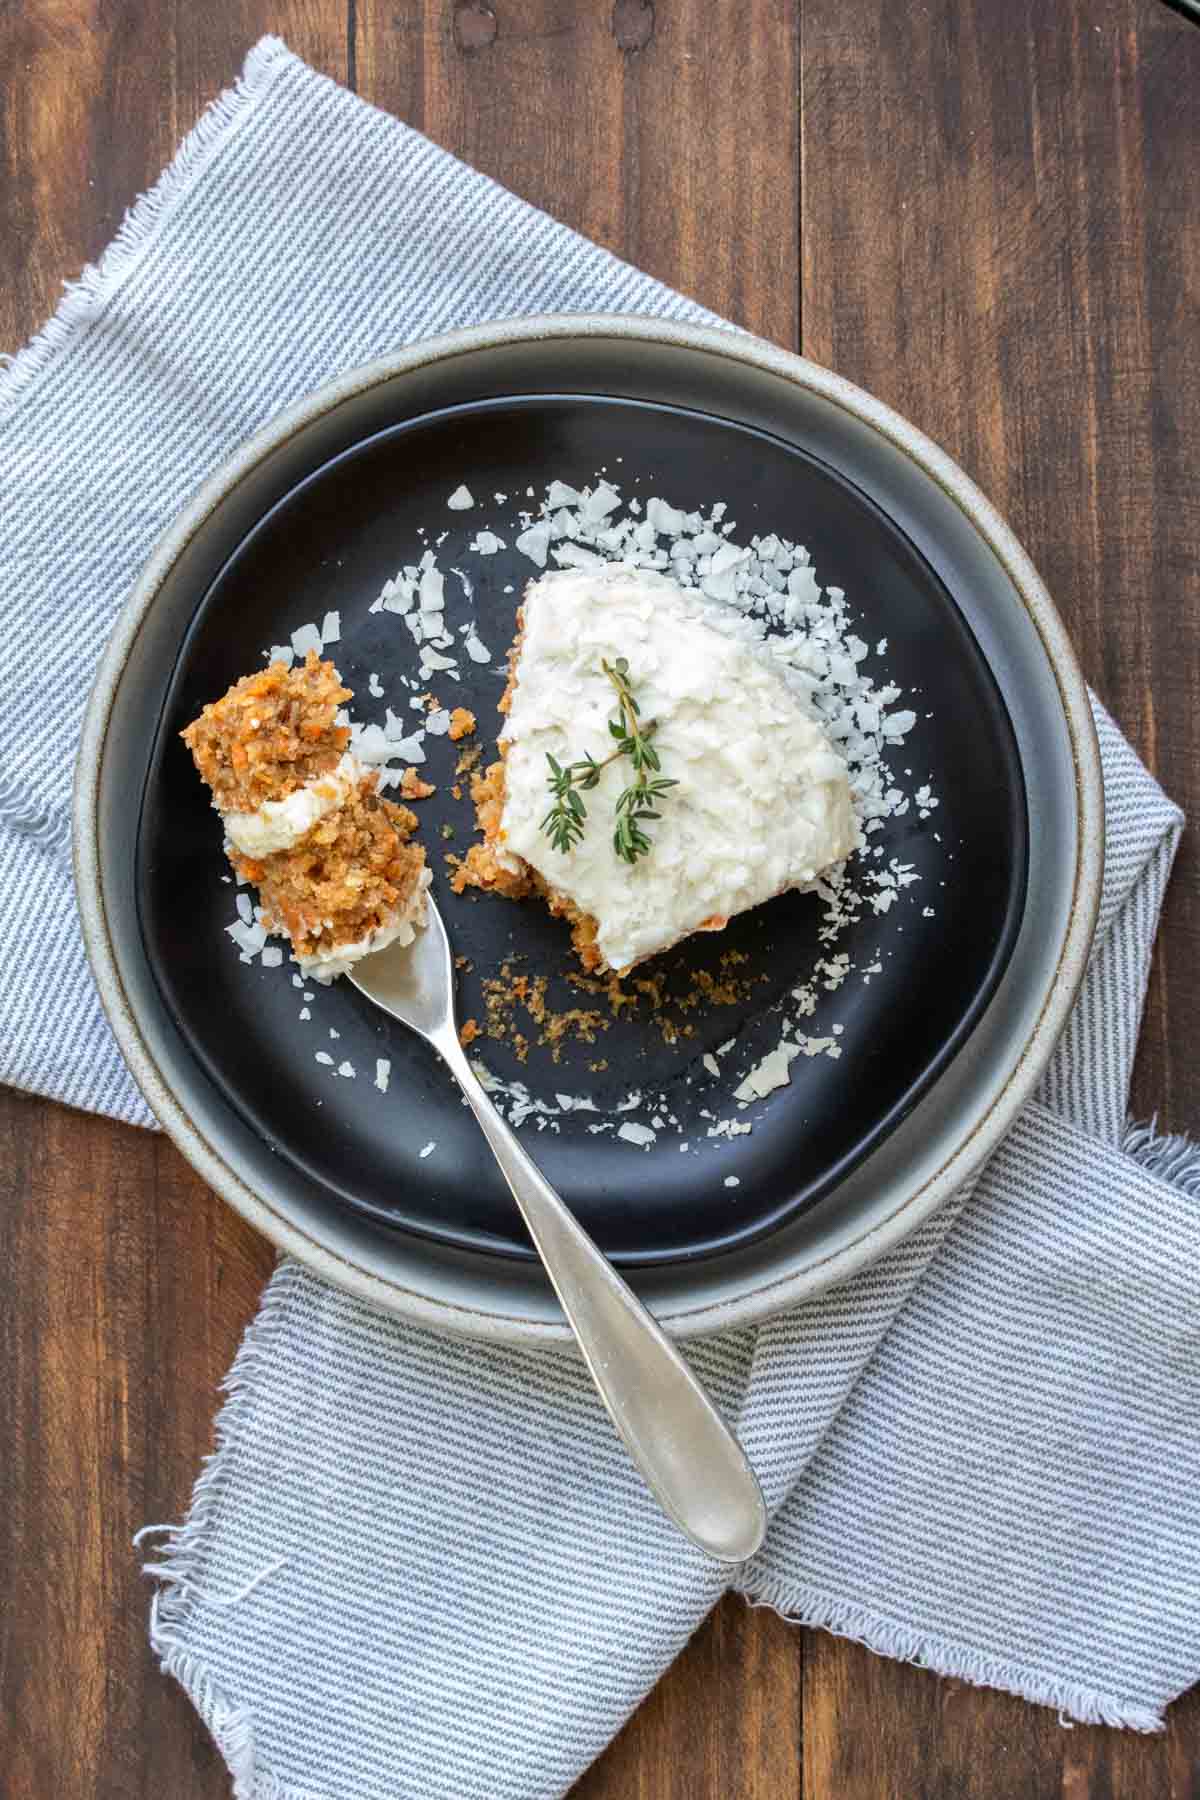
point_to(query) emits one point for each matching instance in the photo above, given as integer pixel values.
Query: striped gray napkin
(416, 1566)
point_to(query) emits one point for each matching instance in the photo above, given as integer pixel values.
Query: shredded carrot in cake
(350, 873)
(344, 874)
(270, 733)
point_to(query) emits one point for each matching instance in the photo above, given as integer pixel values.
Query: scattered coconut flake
(374, 686)
(664, 518)
(432, 591)
(486, 543)
(323, 1057)
(574, 556)
(771, 1073)
(271, 956)
(281, 653)
(897, 724)
(711, 1064)
(370, 744)
(430, 1147)
(346, 1069)
(248, 938)
(476, 649)
(633, 1133)
(305, 639)
(732, 1181)
(433, 661)
(535, 543)
(597, 505)
(383, 1073)
(305, 1012)
(438, 722)
(461, 500)
(331, 629)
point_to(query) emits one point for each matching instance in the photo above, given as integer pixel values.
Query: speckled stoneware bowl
(949, 1120)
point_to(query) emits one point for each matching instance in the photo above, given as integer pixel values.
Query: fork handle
(690, 1459)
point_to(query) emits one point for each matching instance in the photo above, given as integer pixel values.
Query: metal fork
(690, 1459)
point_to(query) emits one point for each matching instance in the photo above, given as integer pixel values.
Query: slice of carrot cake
(332, 860)
(657, 773)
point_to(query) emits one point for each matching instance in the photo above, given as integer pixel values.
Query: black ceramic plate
(331, 543)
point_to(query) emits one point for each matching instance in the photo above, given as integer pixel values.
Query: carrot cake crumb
(304, 821)
(413, 788)
(462, 723)
(269, 734)
(468, 1032)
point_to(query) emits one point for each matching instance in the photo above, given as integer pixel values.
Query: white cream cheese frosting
(763, 802)
(278, 824)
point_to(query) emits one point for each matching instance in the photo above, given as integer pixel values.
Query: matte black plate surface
(331, 544)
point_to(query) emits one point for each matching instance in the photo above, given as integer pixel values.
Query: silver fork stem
(690, 1459)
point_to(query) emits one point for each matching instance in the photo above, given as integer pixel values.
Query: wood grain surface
(985, 211)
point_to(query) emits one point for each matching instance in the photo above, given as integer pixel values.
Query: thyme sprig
(637, 804)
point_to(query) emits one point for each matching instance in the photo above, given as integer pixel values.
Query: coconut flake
(633, 1133)
(370, 744)
(306, 638)
(434, 660)
(461, 500)
(432, 590)
(535, 543)
(597, 505)
(774, 1071)
(664, 518)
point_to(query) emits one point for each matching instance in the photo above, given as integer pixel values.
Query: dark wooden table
(985, 211)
